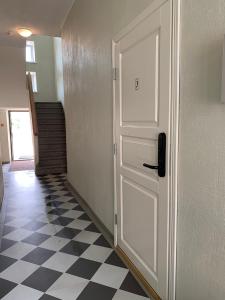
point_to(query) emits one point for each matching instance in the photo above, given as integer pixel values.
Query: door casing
(174, 129)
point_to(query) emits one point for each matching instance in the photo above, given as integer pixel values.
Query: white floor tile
(22, 292)
(19, 271)
(50, 229)
(79, 224)
(67, 287)
(47, 218)
(19, 250)
(68, 205)
(122, 295)
(20, 222)
(54, 243)
(97, 253)
(73, 214)
(18, 235)
(64, 198)
(60, 262)
(60, 193)
(87, 237)
(111, 276)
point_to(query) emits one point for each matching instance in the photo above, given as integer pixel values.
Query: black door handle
(161, 156)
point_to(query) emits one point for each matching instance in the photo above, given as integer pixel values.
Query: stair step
(58, 147)
(48, 104)
(50, 116)
(51, 122)
(51, 127)
(52, 162)
(46, 156)
(50, 111)
(50, 170)
(52, 153)
(50, 134)
(55, 141)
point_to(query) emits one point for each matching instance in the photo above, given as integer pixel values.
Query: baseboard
(137, 274)
(102, 228)
(2, 218)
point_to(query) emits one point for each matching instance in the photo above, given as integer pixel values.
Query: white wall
(201, 206)
(44, 68)
(13, 93)
(87, 37)
(58, 69)
(4, 136)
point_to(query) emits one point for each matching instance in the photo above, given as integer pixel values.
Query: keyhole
(137, 84)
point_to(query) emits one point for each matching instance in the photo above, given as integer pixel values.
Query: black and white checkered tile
(52, 250)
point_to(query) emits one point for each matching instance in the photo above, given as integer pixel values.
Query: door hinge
(115, 148)
(116, 221)
(115, 73)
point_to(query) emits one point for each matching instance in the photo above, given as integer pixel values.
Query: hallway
(52, 250)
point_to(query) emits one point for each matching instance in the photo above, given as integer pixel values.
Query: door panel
(134, 151)
(138, 87)
(142, 111)
(145, 248)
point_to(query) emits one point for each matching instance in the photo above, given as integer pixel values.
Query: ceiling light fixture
(24, 32)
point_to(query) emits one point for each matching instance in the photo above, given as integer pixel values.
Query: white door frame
(174, 129)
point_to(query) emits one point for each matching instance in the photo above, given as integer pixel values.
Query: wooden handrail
(32, 104)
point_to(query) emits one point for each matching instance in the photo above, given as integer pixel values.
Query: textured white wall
(4, 136)
(58, 69)
(13, 92)
(201, 206)
(87, 37)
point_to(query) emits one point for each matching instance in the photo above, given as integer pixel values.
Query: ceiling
(43, 17)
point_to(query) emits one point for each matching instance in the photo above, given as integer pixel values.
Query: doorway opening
(21, 136)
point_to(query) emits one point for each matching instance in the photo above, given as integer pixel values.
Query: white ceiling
(43, 17)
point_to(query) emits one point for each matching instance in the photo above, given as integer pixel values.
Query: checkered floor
(51, 249)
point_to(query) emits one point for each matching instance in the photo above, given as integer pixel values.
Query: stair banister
(32, 104)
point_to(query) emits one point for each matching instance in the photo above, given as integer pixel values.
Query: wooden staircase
(49, 133)
(51, 138)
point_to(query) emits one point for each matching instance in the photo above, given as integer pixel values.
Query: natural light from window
(34, 80)
(30, 52)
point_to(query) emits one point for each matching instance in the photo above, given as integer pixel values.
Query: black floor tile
(68, 233)
(62, 221)
(5, 244)
(97, 291)
(36, 238)
(47, 297)
(8, 229)
(38, 256)
(51, 197)
(8, 219)
(73, 201)
(114, 260)
(75, 248)
(84, 268)
(84, 217)
(5, 287)
(92, 228)
(78, 207)
(5, 262)
(101, 241)
(132, 286)
(54, 204)
(58, 211)
(42, 279)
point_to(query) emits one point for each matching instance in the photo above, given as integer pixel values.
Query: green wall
(44, 68)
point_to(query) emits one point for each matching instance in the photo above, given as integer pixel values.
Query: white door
(142, 111)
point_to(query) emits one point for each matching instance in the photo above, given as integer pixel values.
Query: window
(30, 52)
(34, 81)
